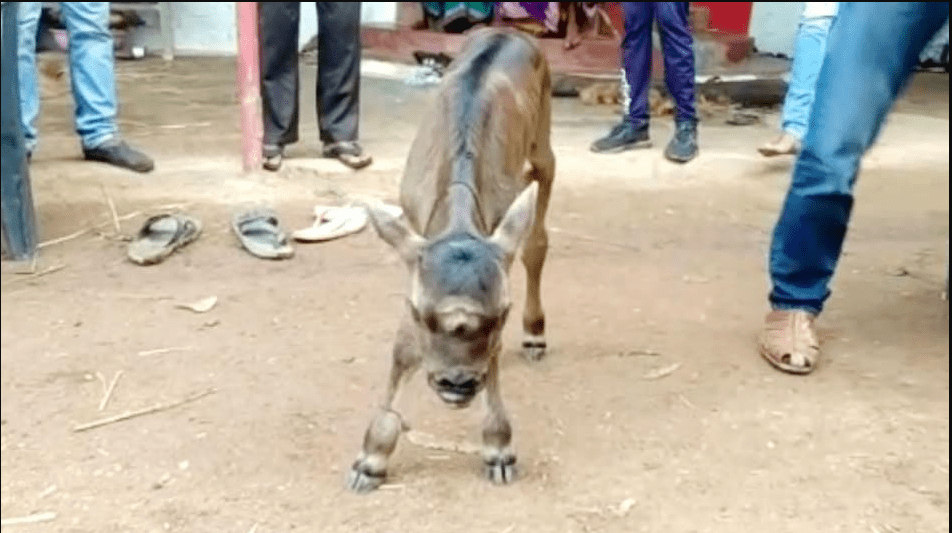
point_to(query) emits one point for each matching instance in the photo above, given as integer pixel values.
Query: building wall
(773, 25)
(208, 28)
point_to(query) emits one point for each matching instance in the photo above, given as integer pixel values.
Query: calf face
(459, 295)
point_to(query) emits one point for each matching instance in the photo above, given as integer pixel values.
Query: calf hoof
(362, 480)
(501, 470)
(533, 350)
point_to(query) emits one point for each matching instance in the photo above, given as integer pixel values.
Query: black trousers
(338, 70)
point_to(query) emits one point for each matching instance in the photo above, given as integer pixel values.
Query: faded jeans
(872, 50)
(809, 50)
(91, 63)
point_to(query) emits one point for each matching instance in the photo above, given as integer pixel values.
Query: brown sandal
(789, 342)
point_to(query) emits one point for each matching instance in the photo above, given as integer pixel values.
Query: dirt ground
(650, 265)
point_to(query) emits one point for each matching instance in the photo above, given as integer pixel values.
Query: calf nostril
(468, 385)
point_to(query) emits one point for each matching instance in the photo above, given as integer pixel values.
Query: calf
(476, 187)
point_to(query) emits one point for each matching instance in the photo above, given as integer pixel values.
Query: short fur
(468, 204)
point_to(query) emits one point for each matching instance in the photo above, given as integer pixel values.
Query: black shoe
(118, 153)
(683, 146)
(623, 137)
(273, 157)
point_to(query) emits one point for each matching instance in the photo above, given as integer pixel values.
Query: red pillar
(249, 95)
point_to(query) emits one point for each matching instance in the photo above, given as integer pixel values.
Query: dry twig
(112, 210)
(35, 275)
(587, 238)
(664, 371)
(109, 390)
(160, 351)
(141, 412)
(425, 440)
(34, 518)
(119, 218)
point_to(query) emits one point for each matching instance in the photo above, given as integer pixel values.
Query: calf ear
(517, 222)
(393, 229)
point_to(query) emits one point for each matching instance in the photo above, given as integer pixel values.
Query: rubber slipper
(161, 235)
(333, 223)
(259, 232)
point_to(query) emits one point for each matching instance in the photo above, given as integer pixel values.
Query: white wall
(208, 28)
(773, 25)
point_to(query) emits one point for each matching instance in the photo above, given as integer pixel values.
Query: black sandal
(349, 153)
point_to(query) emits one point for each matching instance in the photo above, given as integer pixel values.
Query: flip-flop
(259, 232)
(333, 223)
(161, 235)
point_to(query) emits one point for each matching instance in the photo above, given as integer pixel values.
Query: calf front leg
(498, 455)
(370, 469)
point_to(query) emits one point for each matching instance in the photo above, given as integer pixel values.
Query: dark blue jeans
(677, 45)
(871, 52)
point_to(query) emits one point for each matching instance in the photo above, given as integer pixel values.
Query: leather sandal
(789, 341)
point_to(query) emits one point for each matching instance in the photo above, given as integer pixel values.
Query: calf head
(459, 294)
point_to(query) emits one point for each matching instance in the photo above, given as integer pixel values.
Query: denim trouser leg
(92, 70)
(809, 50)
(872, 50)
(28, 20)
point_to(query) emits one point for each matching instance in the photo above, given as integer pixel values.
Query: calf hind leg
(533, 257)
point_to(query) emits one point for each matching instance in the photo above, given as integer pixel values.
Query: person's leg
(92, 70)
(19, 230)
(865, 69)
(678, 46)
(278, 27)
(28, 21)
(636, 57)
(93, 77)
(338, 81)
(809, 51)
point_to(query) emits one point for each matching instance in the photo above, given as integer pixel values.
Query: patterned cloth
(459, 13)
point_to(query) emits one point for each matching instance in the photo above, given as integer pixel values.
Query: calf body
(474, 191)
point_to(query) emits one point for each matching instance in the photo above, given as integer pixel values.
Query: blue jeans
(809, 50)
(872, 50)
(91, 70)
(677, 46)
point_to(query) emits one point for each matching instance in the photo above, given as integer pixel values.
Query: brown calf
(468, 202)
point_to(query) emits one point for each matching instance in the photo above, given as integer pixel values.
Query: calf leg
(370, 469)
(498, 456)
(533, 257)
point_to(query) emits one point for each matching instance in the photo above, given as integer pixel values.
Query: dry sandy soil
(650, 265)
